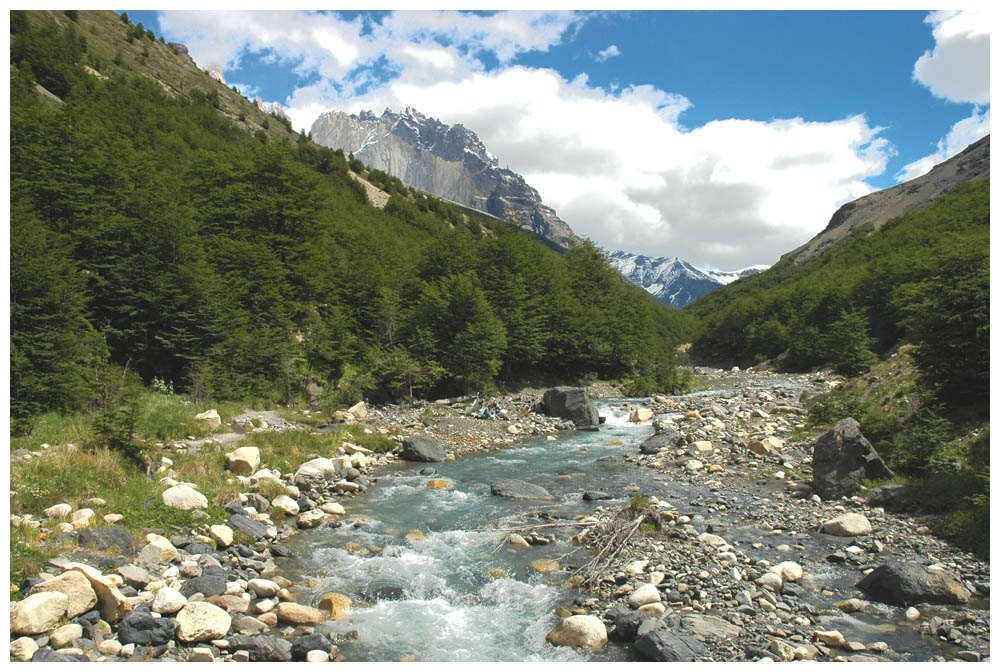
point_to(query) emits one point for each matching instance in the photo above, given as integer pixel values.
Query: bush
(114, 425)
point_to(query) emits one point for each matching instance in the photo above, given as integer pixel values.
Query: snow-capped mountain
(672, 280)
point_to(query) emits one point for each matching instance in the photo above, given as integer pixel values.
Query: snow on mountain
(672, 280)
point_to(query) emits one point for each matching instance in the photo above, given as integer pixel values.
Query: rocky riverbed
(744, 569)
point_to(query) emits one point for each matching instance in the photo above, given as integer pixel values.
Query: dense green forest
(177, 235)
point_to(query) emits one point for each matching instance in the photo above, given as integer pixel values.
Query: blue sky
(724, 137)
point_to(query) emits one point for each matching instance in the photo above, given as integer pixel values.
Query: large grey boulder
(422, 448)
(573, 404)
(909, 583)
(262, 648)
(246, 524)
(660, 441)
(665, 646)
(140, 627)
(513, 489)
(842, 459)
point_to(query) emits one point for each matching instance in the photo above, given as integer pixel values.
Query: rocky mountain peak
(448, 161)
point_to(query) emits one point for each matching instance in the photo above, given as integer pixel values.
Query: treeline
(151, 235)
(922, 278)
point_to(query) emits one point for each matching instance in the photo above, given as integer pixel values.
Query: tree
(848, 344)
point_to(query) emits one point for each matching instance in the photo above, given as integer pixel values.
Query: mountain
(876, 209)
(448, 161)
(672, 280)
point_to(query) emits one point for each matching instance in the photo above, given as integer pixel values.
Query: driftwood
(528, 529)
(611, 538)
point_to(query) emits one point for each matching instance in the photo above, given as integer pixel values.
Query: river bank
(724, 516)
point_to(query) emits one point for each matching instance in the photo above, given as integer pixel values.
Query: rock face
(588, 632)
(515, 489)
(842, 459)
(447, 161)
(971, 164)
(422, 449)
(573, 404)
(909, 583)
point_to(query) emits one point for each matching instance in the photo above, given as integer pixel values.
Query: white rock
(201, 654)
(38, 613)
(127, 650)
(159, 551)
(211, 418)
(109, 647)
(713, 540)
(110, 600)
(58, 511)
(76, 587)
(317, 656)
(168, 601)
(82, 518)
(65, 636)
(640, 415)
(358, 410)
(333, 508)
(23, 648)
(286, 504)
(264, 475)
(184, 497)
(244, 460)
(202, 621)
(637, 567)
(771, 580)
(222, 534)
(788, 570)
(644, 593)
(588, 632)
(847, 525)
(263, 588)
(310, 519)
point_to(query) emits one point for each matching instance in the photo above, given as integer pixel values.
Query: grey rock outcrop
(842, 459)
(422, 449)
(447, 161)
(573, 404)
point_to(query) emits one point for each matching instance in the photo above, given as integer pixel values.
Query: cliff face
(447, 161)
(971, 164)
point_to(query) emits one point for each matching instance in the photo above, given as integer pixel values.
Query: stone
(168, 601)
(831, 638)
(44, 655)
(211, 418)
(850, 606)
(202, 621)
(38, 613)
(246, 524)
(201, 654)
(110, 600)
(300, 614)
(713, 540)
(414, 535)
(644, 593)
(584, 631)
(788, 570)
(663, 645)
(694, 465)
(244, 460)
(109, 647)
(23, 648)
(338, 606)
(702, 446)
(593, 496)
(262, 588)
(660, 441)
(222, 535)
(333, 508)
(912, 613)
(317, 657)
(82, 518)
(264, 475)
(310, 519)
(65, 636)
(905, 584)
(843, 459)
(135, 576)
(422, 448)
(545, 565)
(184, 497)
(889, 496)
(760, 447)
(515, 489)
(573, 404)
(438, 484)
(206, 584)
(262, 648)
(159, 551)
(286, 504)
(77, 589)
(706, 625)
(640, 415)
(108, 540)
(312, 642)
(358, 410)
(142, 628)
(58, 511)
(847, 525)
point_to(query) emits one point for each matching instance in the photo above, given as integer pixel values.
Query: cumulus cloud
(605, 54)
(958, 68)
(617, 165)
(961, 135)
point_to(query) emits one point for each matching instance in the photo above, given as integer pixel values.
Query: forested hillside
(163, 226)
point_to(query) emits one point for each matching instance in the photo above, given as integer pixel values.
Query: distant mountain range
(672, 280)
(450, 162)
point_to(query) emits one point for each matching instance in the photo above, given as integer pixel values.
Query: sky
(725, 138)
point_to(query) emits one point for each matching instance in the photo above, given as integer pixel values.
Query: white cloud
(958, 69)
(605, 54)
(961, 135)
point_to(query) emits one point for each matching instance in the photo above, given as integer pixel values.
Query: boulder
(588, 632)
(660, 441)
(222, 535)
(312, 642)
(23, 648)
(286, 504)
(244, 460)
(909, 583)
(38, 613)
(246, 524)
(594, 496)
(890, 496)
(202, 621)
(788, 570)
(438, 484)
(206, 584)
(422, 448)
(211, 418)
(640, 415)
(323, 465)
(58, 511)
(310, 519)
(159, 551)
(627, 622)
(113, 540)
(572, 404)
(262, 648)
(706, 625)
(514, 489)
(339, 606)
(77, 589)
(184, 497)
(644, 593)
(358, 410)
(665, 646)
(140, 627)
(545, 565)
(45, 655)
(82, 518)
(300, 614)
(133, 575)
(168, 601)
(847, 525)
(842, 459)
